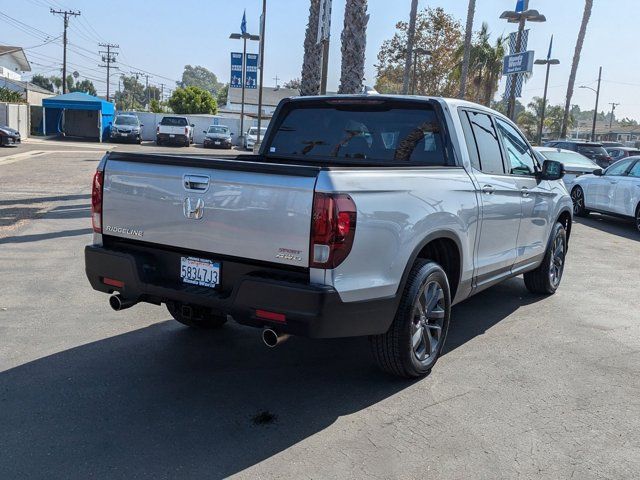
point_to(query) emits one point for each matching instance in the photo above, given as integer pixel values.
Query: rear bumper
(310, 310)
(167, 138)
(9, 140)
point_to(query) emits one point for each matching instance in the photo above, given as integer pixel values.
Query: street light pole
(595, 110)
(263, 20)
(244, 36)
(548, 62)
(520, 16)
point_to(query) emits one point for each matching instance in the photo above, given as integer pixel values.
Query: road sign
(251, 73)
(236, 70)
(518, 63)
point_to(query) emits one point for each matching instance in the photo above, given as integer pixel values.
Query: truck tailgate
(232, 207)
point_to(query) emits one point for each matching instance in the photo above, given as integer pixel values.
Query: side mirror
(231, 134)
(193, 125)
(204, 131)
(598, 172)
(551, 170)
(141, 125)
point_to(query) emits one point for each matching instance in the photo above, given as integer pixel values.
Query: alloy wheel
(428, 322)
(557, 261)
(578, 200)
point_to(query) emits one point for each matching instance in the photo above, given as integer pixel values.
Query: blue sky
(162, 36)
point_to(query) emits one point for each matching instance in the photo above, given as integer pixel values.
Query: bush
(191, 100)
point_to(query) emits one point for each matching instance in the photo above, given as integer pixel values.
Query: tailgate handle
(196, 182)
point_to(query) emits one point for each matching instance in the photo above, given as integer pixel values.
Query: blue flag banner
(522, 5)
(236, 70)
(251, 74)
(243, 24)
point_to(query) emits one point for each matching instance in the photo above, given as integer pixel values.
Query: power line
(66, 14)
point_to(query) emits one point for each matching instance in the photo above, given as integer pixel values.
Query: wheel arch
(566, 219)
(443, 247)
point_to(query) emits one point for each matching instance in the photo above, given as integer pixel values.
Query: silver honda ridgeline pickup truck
(361, 215)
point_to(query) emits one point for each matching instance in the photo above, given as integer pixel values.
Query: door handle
(196, 182)
(524, 191)
(488, 189)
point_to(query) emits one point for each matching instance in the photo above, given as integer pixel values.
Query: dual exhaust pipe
(270, 337)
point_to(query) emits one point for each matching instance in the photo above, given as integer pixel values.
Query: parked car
(575, 164)
(126, 128)
(174, 130)
(217, 136)
(618, 153)
(252, 136)
(361, 215)
(614, 191)
(594, 151)
(606, 144)
(9, 136)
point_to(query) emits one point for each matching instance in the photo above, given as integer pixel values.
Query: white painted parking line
(34, 153)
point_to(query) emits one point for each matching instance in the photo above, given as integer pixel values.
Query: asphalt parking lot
(529, 387)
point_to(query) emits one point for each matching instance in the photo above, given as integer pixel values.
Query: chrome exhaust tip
(118, 303)
(271, 338)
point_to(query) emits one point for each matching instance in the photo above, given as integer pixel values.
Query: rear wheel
(195, 316)
(547, 277)
(638, 217)
(577, 196)
(158, 141)
(413, 343)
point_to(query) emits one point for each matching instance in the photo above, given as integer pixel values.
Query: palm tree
(467, 48)
(588, 5)
(354, 42)
(312, 62)
(409, 54)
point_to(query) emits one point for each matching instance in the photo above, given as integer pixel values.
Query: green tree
(528, 123)
(293, 84)
(85, 86)
(9, 96)
(354, 43)
(191, 100)
(223, 93)
(437, 32)
(132, 96)
(42, 82)
(201, 77)
(485, 64)
(155, 106)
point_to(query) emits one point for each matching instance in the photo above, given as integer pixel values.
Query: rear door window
(174, 122)
(345, 131)
(486, 142)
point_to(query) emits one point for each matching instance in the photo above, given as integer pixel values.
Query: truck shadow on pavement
(168, 402)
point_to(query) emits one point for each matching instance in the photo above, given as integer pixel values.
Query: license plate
(199, 271)
(124, 134)
(217, 143)
(171, 135)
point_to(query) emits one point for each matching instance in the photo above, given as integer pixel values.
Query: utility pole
(137, 75)
(263, 20)
(613, 109)
(108, 57)
(66, 14)
(324, 37)
(277, 78)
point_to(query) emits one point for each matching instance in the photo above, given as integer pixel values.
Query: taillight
(333, 227)
(96, 202)
(186, 130)
(158, 129)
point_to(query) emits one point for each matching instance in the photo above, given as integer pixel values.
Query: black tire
(546, 278)
(638, 217)
(195, 316)
(577, 197)
(395, 351)
(158, 142)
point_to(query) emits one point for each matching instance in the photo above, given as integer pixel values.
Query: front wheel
(547, 277)
(413, 343)
(195, 316)
(577, 196)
